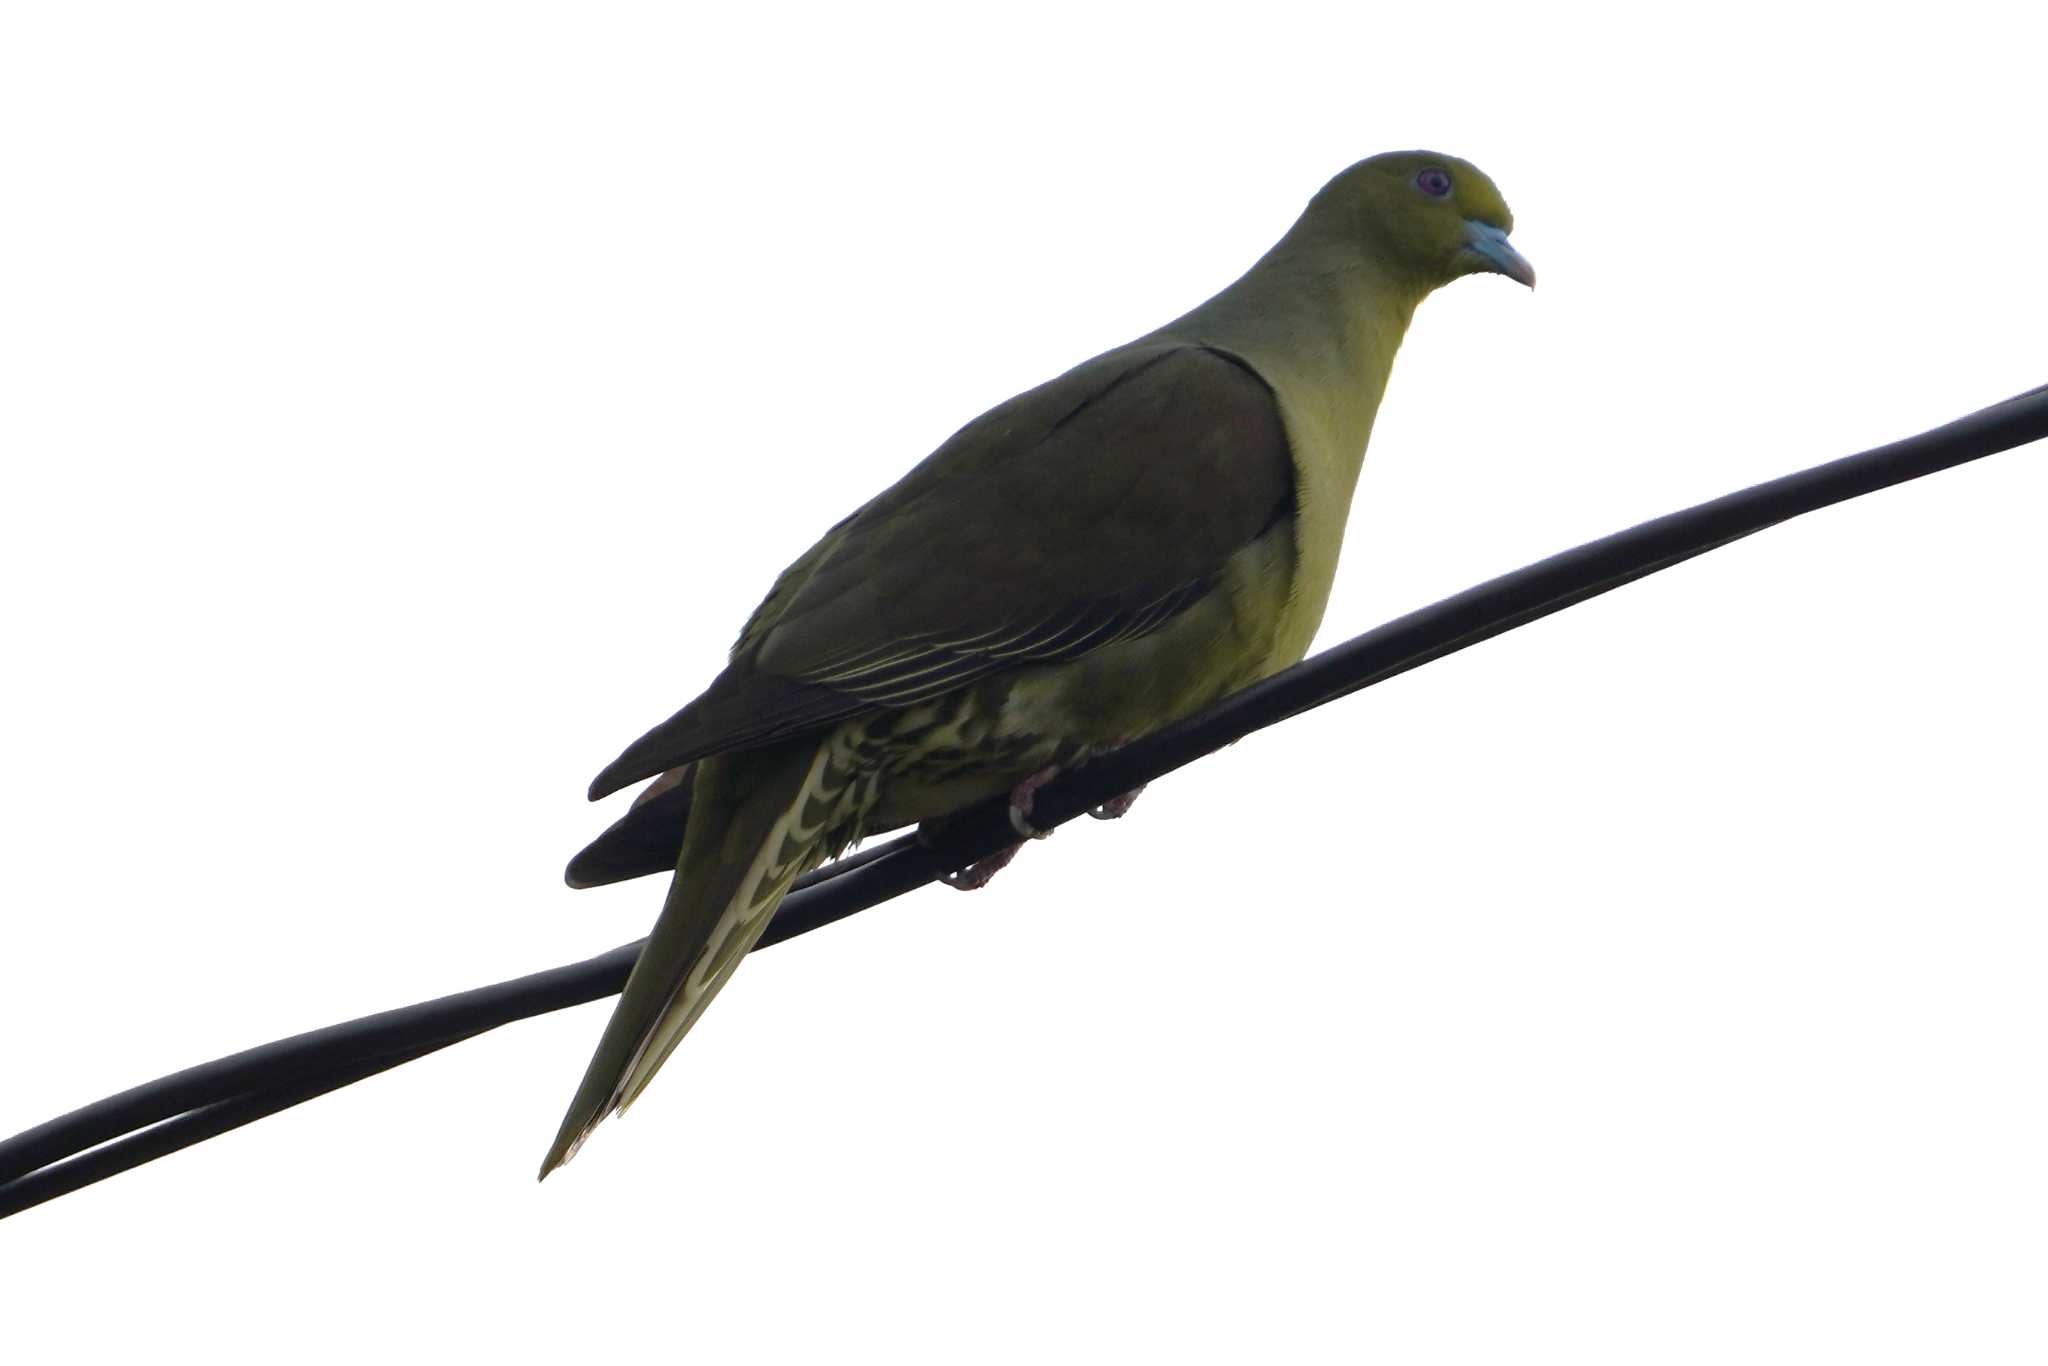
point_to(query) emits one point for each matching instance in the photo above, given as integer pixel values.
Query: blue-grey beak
(1491, 245)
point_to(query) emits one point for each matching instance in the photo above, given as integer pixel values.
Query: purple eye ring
(1434, 181)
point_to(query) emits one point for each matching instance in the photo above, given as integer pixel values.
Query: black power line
(187, 1107)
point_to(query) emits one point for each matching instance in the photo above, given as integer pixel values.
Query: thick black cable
(214, 1097)
(193, 1126)
(287, 1062)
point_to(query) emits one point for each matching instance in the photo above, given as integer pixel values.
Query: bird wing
(1091, 509)
(647, 839)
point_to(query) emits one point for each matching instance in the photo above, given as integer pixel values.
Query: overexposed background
(405, 403)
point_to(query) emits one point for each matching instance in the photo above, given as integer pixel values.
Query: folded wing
(1091, 509)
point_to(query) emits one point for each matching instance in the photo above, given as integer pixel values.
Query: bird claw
(1021, 798)
(1025, 828)
(1116, 808)
(979, 874)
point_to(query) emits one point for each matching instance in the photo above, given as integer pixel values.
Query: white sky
(405, 403)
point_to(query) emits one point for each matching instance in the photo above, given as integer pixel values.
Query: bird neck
(1321, 320)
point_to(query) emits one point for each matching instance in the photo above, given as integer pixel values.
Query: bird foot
(1116, 808)
(978, 875)
(1023, 795)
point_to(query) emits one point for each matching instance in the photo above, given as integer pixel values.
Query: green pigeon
(1082, 564)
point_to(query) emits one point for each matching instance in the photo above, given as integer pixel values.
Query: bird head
(1433, 217)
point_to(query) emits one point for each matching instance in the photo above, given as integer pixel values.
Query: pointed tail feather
(755, 824)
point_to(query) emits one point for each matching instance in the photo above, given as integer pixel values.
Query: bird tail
(757, 821)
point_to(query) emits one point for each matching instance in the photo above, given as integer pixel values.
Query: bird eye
(1434, 182)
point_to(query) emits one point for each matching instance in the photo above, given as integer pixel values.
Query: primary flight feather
(1094, 558)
